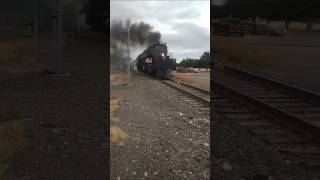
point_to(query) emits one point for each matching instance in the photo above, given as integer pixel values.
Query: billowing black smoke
(141, 35)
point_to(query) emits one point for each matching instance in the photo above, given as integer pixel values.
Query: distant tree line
(284, 10)
(202, 62)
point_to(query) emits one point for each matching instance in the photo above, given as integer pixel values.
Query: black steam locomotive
(155, 60)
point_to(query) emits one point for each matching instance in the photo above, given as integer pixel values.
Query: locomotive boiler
(156, 61)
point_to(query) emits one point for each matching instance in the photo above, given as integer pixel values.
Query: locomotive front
(155, 60)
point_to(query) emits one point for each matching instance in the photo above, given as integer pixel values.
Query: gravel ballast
(239, 155)
(168, 136)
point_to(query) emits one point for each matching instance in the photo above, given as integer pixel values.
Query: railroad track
(196, 97)
(196, 93)
(279, 113)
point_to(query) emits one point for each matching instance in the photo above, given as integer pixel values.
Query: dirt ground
(157, 134)
(293, 58)
(63, 117)
(201, 80)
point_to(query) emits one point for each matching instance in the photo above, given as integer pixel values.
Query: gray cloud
(218, 2)
(184, 25)
(189, 35)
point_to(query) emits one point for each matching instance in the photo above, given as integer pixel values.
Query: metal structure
(127, 59)
(36, 28)
(60, 36)
(120, 55)
(128, 51)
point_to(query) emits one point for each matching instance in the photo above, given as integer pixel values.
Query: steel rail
(305, 126)
(185, 91)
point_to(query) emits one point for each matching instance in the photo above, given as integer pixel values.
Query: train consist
(155, 60)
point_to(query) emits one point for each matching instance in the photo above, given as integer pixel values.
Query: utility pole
(59, 36)
(120, 54)
(128, 52)
(35, 26)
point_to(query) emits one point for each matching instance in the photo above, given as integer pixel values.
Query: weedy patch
(247, 54)
(12, 139)
(7, 51)
(184, 78)
(114, 77)
(114, 119)
(118, 136)
(114, 105)
(10, 48)
(9, 115)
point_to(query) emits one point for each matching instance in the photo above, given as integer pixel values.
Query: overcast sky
(184, 25)
(217, 2)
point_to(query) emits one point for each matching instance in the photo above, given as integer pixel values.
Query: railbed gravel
(238, 155)
(164, 141)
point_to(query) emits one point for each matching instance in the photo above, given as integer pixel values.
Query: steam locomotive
(155, 60)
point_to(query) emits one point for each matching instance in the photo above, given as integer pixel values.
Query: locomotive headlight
(162, 55)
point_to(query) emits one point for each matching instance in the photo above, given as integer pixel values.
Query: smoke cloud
(141, 35)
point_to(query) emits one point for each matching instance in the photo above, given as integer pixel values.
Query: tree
(203, 62)
(285, 10)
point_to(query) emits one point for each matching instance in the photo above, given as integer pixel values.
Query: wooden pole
(59, 36)
(128, 58)
(36, 28)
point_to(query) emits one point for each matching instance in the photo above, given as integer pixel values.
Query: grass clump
(114, 105)
(12, 139)
(118, 136)
(114, 77)
(182, 77)
(9, 48)
(7, 51)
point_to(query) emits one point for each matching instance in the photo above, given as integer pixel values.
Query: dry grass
(113, 109)
(114, 119)
(12, 139)
(183, 77)
(114, 77)
(114, 105)
(7, 51)
(246, 54)
(9, 115)
(10, 47)
(118, 136)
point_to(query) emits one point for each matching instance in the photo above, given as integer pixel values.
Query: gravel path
(168, 136)
(66, 117)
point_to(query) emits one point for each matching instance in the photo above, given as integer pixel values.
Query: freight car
(155, 60)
